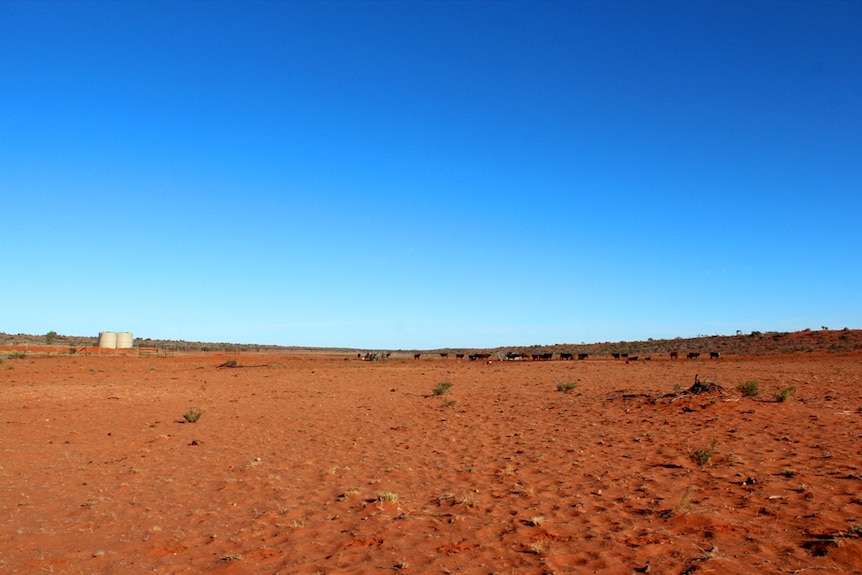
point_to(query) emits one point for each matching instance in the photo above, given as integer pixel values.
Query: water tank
(108, 339)
(124, 340)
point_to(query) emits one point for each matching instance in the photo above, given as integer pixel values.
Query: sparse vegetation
(50, 338)
(784, 394)
(703, 455)
(234, 557)
(192, 415)
(748, 389)
(441, 388)
(539, 547)
(565, 386)
(349, 493)
(448, 496)
(682, 506)
(685, 500)
(755, 343)
(515, 448)
(468, 499)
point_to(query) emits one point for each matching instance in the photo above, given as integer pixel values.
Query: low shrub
(192, 415)
(748, 389)
(565, 386)
(703, 455)
(441, 388)
(783, 395)
(683, 506)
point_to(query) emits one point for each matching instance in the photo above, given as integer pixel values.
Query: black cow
(714, 355)
(674, 354)
(583, 356)
(564, 355)
(616, 355)
(693, 354)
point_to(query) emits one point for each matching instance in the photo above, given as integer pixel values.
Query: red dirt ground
(286, 468)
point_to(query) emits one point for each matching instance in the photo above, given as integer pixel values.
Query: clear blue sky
(401, 174)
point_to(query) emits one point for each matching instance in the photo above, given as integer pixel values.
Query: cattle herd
(512, 356)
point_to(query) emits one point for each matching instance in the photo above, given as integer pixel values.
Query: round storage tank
(108, 339)
(124, 340)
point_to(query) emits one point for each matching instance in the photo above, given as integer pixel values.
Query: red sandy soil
(286, 468)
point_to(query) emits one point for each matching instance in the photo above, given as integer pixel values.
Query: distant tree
(50, 337)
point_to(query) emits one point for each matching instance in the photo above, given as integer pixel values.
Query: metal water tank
(108, 339)
(124, 340)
